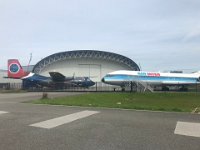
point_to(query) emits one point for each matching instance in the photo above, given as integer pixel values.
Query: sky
(159, 35)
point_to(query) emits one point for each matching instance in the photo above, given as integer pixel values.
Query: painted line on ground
(187, 129)
(3, 112)
(52, 123)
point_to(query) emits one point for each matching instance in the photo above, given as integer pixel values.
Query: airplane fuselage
(153, 78)
(43, 81)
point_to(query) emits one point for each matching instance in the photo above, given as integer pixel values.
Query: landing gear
(184, 89)
(164, 88)
(123, 89)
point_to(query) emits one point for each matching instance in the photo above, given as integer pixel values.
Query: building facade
(84, 63)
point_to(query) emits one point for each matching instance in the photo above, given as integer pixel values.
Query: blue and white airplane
(154, 79)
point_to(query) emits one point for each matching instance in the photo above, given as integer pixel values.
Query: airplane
(164, 80)
(56, 79)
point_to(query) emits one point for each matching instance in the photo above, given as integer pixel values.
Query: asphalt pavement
(98, 129)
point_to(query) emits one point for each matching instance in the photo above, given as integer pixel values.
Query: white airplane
(154, 79)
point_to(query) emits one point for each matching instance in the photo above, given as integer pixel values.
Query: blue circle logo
(14, 68)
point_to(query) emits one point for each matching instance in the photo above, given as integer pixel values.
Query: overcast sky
(157, 34)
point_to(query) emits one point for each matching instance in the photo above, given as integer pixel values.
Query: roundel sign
(14, 68)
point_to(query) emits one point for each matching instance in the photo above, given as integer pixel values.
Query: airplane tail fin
(15, 69)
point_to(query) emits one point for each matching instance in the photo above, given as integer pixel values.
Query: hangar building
(84, 63)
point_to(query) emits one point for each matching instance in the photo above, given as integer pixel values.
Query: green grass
(181, 102)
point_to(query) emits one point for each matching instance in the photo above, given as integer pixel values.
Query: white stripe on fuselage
(29, 75)
(151, 74)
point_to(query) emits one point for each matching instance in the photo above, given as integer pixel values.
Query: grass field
(181, 102)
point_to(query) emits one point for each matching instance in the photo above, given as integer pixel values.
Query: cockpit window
(109, 75)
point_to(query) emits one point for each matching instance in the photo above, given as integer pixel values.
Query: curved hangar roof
(86, 54)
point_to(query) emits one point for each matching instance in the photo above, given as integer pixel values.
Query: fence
(10, 86)
(98, 87)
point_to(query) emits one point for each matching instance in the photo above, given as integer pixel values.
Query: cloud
(148, 31)
(193, 35)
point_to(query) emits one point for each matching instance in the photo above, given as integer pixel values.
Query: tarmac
(45, 127)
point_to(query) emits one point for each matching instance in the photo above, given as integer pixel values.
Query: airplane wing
(57, 77)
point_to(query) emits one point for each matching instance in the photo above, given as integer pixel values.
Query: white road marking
(48, 124)
(187, 129)
(3, 112)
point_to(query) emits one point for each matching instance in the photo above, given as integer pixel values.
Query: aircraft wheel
(165, 88)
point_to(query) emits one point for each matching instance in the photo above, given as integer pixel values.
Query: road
(106, 129)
